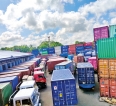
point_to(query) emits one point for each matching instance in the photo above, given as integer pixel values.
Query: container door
(58, 93)
(81, 76)
(90, 76)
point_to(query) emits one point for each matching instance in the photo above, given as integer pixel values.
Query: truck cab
(27, 97)
(29, 84)
(40, 79)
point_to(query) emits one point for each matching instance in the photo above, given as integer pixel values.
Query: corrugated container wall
(63, 87)
(51, 50)
(5, 93)
(14, 81)
(86, 77)
(58, 50)
(106, 48)
(112, 30)
(101, 32)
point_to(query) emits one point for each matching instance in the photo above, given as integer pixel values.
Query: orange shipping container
(112, 88)
(103, 68)
(104, 87)
(112, 68)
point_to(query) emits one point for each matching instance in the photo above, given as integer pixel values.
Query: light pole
(48, 41)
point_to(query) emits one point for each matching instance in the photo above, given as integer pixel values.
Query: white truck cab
(27, 97)
(29, 84)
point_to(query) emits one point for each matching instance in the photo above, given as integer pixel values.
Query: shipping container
(86, 58)
(63, 87)
(64, 47)
(103, 68)
(93, 61)
(101, 32)
(5, 93)
(65, 65)
(79, 58)
(112, 88)
(58, 50)
(88, 44)
(112, 68)
(106, 48)
(78, 45)
(35, 52)
(112, 30)
(86, 77)
(52, 62)
(70, 57)
(104, 87)
(14, 81)
(13, 74)
(65, 55)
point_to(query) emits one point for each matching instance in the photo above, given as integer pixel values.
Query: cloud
(80, 0)
(41, 15)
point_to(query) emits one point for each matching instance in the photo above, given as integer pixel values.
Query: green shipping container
(44, 53)
(106, 48)
(112, 29)
(5, 93)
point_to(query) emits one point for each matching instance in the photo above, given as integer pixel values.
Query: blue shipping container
(70, 57)
(64, 55)
(64, 50)
(65, 65)
(14, 81)
(80, 48)
(63, 87)
(65, 47)
(35, 52)
(86, 77)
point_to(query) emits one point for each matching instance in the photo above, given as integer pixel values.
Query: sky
(30, 22)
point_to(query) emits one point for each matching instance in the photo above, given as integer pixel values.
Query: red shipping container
(52, 62)
(93, 61)
(77, 45)
(72, 52)
(38, 68)
(12, 74)
(78, 59)
(88, 44)
(112, 88)
(104, 87)
(101, 32)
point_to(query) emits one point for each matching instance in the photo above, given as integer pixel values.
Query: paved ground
(85, 98)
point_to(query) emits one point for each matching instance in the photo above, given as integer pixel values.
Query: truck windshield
(34, 98)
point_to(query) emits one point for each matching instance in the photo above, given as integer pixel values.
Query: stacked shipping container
(107, 66)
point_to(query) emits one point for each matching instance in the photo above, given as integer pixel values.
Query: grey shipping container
(63, 87)
(5, 92)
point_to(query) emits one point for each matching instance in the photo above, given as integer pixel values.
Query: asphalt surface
(85, 97)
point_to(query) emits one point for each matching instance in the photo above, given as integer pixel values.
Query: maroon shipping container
(88, 44)
(101, 32)
(78, 59)
(52, 62)
(12, 74)
(104, 87)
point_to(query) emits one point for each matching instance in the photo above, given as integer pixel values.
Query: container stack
(44, 51)
(100, 33)
(78, 59)
(51, 50)
(64, 51)
(88, 50)
(79, 49)
(63, 87)
(107, 66)
(72, 49)
(58, 50)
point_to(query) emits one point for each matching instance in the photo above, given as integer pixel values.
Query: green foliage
(77, 42)
(25, 48)
(45, 44)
